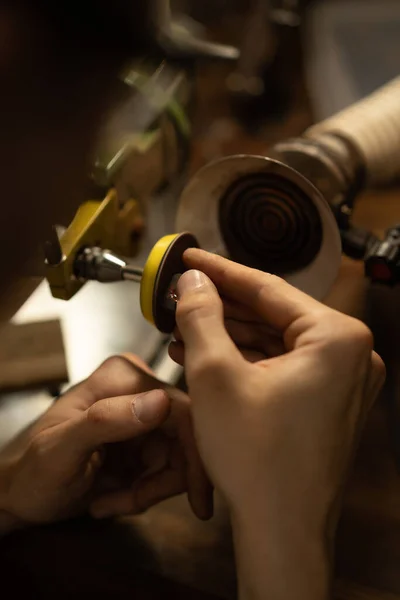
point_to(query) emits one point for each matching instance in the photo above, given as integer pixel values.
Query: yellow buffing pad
(165, 261)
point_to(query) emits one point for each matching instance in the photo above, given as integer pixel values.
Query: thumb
(200, 319)
(119, 419)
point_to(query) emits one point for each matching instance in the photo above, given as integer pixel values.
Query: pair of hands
(279, 387)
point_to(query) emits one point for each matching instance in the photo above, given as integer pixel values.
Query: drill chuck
(96, 264)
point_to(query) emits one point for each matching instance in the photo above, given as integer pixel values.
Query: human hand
(108, 447)
(280, 387)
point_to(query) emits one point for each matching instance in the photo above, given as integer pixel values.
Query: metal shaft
(131, 273)
(97, 264)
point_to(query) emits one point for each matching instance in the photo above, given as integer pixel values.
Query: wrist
(280, 553)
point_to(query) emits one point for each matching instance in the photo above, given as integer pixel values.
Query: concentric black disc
(269, 223)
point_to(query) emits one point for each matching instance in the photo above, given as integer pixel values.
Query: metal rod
(131, 273)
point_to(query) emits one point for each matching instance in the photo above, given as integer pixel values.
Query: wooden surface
(31, 356)
(349, 591)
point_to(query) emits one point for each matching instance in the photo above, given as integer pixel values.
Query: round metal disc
(252, 226)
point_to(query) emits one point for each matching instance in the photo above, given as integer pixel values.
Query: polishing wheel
(269, 223)
(264, 214)
(161, 272)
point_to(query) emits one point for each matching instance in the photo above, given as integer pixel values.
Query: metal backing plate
(200, 212)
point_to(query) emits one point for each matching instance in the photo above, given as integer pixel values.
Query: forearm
(278, 556)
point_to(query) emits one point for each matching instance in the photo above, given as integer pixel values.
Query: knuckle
(100, 412)
(356, 334)
(348, 335)
(110, 364)
(112, 377)
(378, 370)
(362, 335)
(267, 284)
(109, 368)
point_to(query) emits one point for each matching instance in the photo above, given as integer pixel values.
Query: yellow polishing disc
(150, 272)
(165, 262)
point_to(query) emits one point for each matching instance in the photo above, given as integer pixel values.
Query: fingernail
(190, 281)
(151, 406)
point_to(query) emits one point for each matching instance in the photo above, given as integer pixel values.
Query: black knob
(382, 263)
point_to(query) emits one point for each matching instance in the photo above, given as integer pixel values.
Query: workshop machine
(143, 154)
(288, 212)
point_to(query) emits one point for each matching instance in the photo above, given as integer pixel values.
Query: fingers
(378, 370)
(252, 356)
(143, 495)
(239, 312)
(154, 453)
(176, 351)
(199, 489)
(117, 420)
(117, 376)
(138, 363)
(255, 337)
(177, 354)
(252, 336)
(267, 295)
(200, 320)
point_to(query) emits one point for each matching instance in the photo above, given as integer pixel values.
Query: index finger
(279, 303)
(117, 376)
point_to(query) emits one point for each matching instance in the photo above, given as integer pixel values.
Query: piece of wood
(349, 591)
(31, 356)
